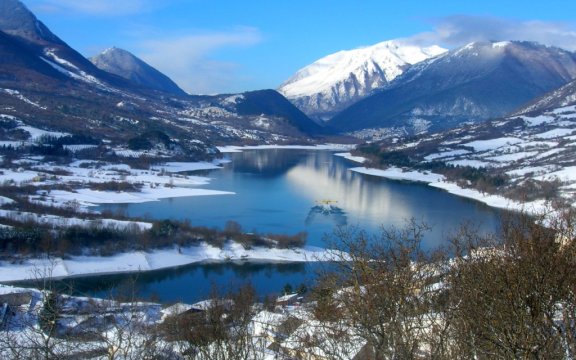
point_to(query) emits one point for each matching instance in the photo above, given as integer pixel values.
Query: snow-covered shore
(329, 147)
(88, 197)
(154, 260)
(439, 181)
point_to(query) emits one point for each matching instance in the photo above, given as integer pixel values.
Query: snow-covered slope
(528, 158)
(16, 20)
(332, 83)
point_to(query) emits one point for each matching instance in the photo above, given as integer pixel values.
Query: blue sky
(218, 46)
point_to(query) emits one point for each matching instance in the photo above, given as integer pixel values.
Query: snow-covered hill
(332, 83)
(522, 157)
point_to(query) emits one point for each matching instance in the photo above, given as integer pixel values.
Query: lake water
(276, 191)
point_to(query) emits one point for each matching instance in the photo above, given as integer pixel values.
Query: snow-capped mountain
(476, 82)
(336, 81)
(125, 64)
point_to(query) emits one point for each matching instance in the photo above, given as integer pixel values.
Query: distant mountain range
(390, 89)
(407, 90)
(47, 84)
(336, 81)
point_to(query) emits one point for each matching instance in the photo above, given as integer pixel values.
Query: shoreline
(439, 182)
(326, 147)
(140, 261)
(132, 262)
(237, 262)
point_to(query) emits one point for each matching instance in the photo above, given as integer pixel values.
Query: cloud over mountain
(463, 29)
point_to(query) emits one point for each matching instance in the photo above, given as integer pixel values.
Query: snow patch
(471, 163)
(554, 133)
(36, 133)
(348, 156)
(19, 96)
(500, 44)
(484, 145)
(446, 154)
(400, 174)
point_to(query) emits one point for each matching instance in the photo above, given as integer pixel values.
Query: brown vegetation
(509, 295)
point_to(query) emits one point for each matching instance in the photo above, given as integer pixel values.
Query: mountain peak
(125, 64)
(18, 21)
(340, 79)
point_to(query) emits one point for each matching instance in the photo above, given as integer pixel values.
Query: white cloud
(188, 59)
(99, 7)
(462, 29)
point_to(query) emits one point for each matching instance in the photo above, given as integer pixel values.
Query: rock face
(336, 81)
(476, 82)
(128, 66)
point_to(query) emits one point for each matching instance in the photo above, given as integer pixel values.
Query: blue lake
(276, 191)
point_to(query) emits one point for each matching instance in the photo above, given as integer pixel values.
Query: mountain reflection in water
(194, 282)
(276, 191)
(326, 210)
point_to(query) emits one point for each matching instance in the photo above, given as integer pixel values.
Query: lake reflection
(276, 191)
(195, 282)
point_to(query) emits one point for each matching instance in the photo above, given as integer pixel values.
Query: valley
(413, 198)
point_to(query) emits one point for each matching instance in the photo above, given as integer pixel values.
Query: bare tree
(382, 298)
(511, 295)
(32, 328)
(221, 331)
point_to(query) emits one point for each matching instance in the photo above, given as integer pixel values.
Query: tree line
(29, 238)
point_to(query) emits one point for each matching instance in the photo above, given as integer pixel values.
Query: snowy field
(160, 182)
